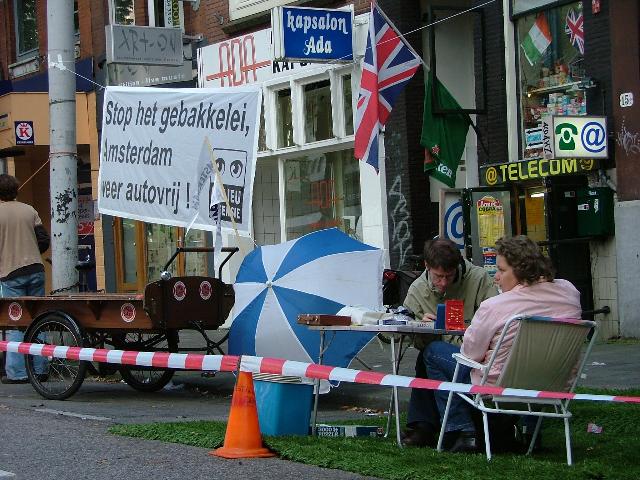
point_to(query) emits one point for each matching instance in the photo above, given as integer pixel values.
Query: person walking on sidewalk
(22, 240)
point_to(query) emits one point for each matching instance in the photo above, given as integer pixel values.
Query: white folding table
(396, 334)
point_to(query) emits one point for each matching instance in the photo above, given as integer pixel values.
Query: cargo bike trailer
(147, 323)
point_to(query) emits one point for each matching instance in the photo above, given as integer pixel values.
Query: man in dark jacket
(22, 240)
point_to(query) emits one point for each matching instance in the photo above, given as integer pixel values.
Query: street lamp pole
(62, 143)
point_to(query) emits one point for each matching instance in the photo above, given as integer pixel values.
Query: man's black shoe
(465, 443)
(42, 377)
(11, 381)
(418, 437)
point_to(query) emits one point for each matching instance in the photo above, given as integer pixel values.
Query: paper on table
(361, 315)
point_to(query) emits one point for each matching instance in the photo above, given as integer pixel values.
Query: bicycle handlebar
(229, 250)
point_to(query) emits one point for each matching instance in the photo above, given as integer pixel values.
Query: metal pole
(62, 142)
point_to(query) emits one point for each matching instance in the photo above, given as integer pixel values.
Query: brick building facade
(410, 198)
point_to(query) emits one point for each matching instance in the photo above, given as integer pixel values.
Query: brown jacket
(18, 243)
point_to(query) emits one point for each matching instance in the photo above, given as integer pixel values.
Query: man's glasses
(440, 277)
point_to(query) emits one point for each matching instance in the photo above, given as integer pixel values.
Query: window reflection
(283, 118)
(26, 25)
(195, 263)
(322, 191)
(348, 105)
(318, 123)
(124, 12)
(129, 251)
(161, 242)
(262, 134)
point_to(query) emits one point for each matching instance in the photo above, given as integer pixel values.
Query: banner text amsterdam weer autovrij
(157, 150)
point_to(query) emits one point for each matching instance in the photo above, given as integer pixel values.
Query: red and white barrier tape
(279, 366)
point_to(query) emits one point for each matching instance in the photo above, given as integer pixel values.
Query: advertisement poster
(161, 148)
(490, 220)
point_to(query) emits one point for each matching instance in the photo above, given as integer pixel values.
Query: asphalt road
(68, 439)
(44, 439)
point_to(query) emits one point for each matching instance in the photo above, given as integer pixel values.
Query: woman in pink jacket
(526, 281)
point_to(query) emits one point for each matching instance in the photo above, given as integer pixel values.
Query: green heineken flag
(443, 136)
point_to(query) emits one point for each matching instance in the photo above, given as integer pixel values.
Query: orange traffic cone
(243, 439)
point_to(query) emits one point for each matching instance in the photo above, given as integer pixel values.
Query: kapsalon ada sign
(313, 34)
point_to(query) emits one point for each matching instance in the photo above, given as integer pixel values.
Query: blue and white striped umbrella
(318, 273)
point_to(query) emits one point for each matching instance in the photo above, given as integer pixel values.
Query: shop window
(123, 13)
(142, 250)
(166, 13)
(322, 191)
(551, 58)
(76, 19)
(128, 257)
(520, 6)
(262, 134)
(26, 27)
(318, 123)
(535, 216)
(161, 241)
(284, 121)
(347, 99)
(266, 203)
(195, 264)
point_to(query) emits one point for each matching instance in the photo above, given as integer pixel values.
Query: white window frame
(27, 54)
(112, 13)
(244, 8)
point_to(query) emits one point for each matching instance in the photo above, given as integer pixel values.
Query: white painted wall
(455, 69)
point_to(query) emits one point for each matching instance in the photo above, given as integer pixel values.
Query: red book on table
(454, 315)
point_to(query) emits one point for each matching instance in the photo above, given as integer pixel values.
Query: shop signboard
(144, 45)
(148, 75)
(172, 13)
(161, 148)
(86, 215)
(580, 137)
(535, 169)
(4, 121)
(451, 217)
(242, 60)
(313, 34)
(24, 132)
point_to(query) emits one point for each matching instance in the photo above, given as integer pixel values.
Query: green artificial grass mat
(612, 454)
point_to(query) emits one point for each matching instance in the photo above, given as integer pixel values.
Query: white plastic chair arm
(468, 362)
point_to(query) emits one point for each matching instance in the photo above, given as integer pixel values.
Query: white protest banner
(157, 149)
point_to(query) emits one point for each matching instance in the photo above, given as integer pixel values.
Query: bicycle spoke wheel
(55, 378)
(147, 379)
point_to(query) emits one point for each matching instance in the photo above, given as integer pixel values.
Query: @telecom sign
(313, 34)
(580, 137)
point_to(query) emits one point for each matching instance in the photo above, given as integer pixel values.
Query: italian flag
(537, 40)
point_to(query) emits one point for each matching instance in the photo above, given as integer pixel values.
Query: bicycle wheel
(55, 378)
(147, 379)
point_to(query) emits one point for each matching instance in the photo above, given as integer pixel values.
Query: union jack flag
(575, 29)
(389, 63)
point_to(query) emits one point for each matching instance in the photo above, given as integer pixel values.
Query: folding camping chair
(544, 356)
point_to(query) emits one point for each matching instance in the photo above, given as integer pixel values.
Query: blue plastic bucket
(284, 405)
